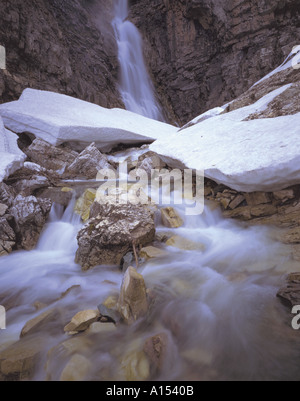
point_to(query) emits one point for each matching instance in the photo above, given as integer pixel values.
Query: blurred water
(218, 307)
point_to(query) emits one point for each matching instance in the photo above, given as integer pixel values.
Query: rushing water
(217, 306)
(136, 87)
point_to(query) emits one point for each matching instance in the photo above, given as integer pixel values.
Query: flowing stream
(217, 306)
(136, 87)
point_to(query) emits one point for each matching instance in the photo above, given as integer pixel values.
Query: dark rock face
(57, 45)
(203, 53)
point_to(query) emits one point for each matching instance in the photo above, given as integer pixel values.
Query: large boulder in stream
(112, 231)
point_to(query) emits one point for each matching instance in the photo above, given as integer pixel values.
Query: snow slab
(11, 157)
(58, 118)
(248, 156)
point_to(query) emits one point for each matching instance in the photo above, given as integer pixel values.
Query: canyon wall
(61, 46)
(204, 53)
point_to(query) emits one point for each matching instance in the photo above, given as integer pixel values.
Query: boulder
(88, 163)
(108, 237)
(59, 119)
(50, 157)
(30, 215)
(133, 303)
(82, 321)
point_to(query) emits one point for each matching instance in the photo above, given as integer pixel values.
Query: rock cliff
(62, 46)
(203, 53)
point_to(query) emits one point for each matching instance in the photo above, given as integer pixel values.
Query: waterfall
(136, 87)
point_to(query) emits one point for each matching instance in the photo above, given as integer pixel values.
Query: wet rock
(290, 293)
(7, 237)
(185, 244)
(101, 328)
(19, 361)
(82, 321)
(133, 303)
(108, 237)
(88, 163)
(84, 203)
(109, 309)
(170, 218)
(156, 350)
(76, 369)
(50, 157)
(37, 323)
(151, 252)
(30, 215)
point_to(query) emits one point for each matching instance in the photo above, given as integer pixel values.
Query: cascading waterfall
(136, 87)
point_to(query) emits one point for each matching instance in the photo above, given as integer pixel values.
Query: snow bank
(11, 157)
(255, 155)
(58, 118)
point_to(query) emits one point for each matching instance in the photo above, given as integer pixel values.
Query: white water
(218, 307)
(136, 87)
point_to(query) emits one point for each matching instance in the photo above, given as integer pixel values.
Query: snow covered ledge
(11, 157)
(58, 118)
(255, 155)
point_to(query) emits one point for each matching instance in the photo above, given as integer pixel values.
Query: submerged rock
(108, 237)
(37, 323)
(76, 369)
(19, 361)
(156, 350)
